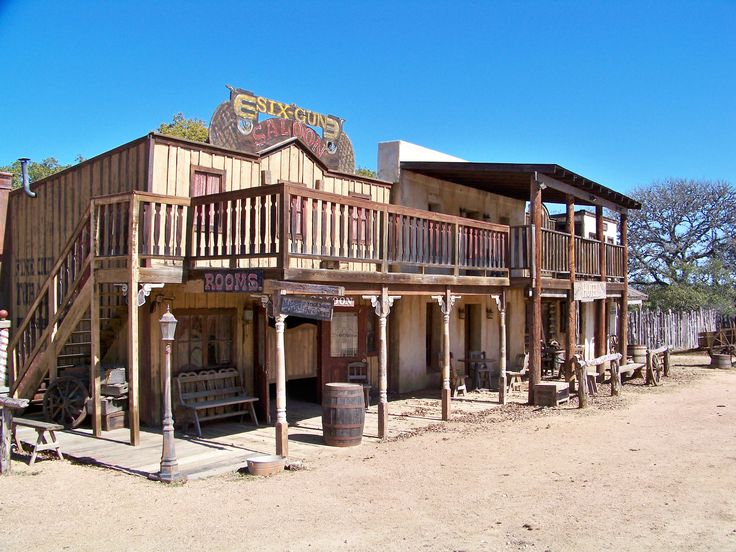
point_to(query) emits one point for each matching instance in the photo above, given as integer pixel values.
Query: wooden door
(343, 341)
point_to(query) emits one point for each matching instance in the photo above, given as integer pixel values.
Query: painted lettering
(209, 282)
(229, 282)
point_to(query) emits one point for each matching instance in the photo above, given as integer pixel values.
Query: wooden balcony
(290, 227)
(555, 255)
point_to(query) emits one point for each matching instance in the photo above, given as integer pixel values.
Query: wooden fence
(678, 330)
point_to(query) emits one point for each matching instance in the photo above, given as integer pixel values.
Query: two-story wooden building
(437, 258)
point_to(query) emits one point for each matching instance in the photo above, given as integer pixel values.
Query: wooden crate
(114, 420)
(551, 393)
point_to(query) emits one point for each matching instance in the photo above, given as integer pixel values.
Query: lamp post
(169, 472)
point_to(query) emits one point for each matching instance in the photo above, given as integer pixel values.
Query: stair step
(74, 355)
(75, 343)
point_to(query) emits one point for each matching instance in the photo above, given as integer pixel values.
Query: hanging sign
(589, 291)
(338, 300)
(306, 307)
(233, 281)
(251, 123)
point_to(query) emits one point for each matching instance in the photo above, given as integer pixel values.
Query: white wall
(391, 154)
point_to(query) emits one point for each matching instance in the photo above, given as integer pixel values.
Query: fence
(678, 330)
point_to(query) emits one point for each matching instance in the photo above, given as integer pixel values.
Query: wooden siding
(300, 348)
(42, 225)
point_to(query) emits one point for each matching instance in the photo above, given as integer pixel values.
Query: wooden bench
(218, 392)
(631, 370)
(42, 441)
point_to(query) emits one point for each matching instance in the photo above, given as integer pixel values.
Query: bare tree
(684, 236)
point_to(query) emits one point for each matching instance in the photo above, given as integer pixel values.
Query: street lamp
(169, 472)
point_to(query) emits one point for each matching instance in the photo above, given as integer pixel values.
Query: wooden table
(487, 363)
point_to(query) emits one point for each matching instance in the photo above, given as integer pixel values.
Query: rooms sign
(237, 124)
(589, 291)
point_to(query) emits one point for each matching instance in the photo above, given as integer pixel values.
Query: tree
(36, 171)
(682, 245)
(365, 171)
(191, 129)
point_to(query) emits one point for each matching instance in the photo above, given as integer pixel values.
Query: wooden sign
(233, 281)
(306, 307)
(589, 291)
(237, 124)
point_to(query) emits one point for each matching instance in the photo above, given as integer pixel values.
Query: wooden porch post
(133, 356)
(572, 323)
(446, 302)
(624, 336)
(282, 427)
(94, 310)
(535, 336)
(382, 305)
(501, 304)
(600, 330)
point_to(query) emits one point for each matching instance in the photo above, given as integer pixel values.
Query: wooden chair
(515, 375)
(358, 373)
(479, 370)
(457, 380)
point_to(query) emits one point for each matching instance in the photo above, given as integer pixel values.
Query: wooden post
(501, 304)
(282, 426)
(600, 329)
(6, 425)
(94, 368)
(615, 379)
(572, 324)
(582, 382)
(133, 353)
(4, 341)
(382, 305)
(535, 336)
(446, 302)
(649, 368)
(624, 341)
(667, 362)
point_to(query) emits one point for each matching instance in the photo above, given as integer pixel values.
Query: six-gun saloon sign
(251, 123)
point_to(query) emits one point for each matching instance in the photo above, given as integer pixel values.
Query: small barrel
(720, 361)
(638, 353)
(343, 414)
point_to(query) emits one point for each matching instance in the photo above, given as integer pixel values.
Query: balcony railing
(318, 226)
(555, 255)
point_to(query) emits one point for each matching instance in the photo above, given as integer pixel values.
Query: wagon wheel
(64, 401)
(724, 343)
(657, 369)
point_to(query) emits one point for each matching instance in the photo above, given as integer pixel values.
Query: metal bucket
(343, 414)
(721, 361)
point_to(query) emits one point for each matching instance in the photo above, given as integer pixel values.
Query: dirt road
(655, 471)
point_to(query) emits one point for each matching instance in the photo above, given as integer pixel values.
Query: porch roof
(512, 180)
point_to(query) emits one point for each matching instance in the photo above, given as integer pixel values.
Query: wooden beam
(133, 353)
(535, 333)
(572, 323)
(271, 286)
(624, 336)
(600, 326)
(94, 368)
(579, 194)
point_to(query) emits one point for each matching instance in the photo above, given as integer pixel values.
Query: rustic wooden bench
(631, 370)
(218, 393)
(42, 441)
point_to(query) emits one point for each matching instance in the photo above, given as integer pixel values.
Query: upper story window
(206, 181)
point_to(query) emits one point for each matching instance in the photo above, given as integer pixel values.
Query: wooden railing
(615, 261)
(54, 298)
(587, 257)
(332, 227)
(555, 254)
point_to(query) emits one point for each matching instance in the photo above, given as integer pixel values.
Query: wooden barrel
(343, 414)
(720, 361)
(638, 353)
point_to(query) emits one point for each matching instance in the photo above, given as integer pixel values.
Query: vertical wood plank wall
(42, 225)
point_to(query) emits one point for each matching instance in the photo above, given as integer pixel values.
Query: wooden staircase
(53, 318)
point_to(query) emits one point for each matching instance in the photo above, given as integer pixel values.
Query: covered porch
(224, 447)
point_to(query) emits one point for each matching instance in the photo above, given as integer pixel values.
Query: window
(344, 334)
(204, 339)
(206, 181)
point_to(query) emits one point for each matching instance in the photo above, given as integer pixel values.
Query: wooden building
(439, 258)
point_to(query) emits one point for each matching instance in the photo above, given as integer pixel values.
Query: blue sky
(621, 92)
